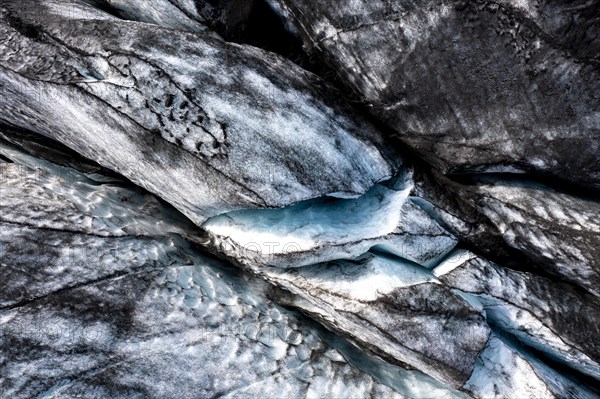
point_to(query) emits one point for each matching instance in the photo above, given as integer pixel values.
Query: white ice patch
(365, 279)
(452, 261)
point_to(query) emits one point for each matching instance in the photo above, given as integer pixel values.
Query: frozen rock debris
(299, 199)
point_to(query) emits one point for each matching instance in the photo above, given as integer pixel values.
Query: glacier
(299, 199)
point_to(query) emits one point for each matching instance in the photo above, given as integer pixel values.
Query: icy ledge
(390, 307)
(328, 228)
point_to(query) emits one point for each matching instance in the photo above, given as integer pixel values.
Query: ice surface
(453, 260)
(160, 12)
(209, 126)
(535, 311)
(556, 229)
(366, 278)
(100, 314)
(106, 291)
(503, 370)
(391, 307)
(159, 334)
(529, 329)
(70, 200)
(328, 229)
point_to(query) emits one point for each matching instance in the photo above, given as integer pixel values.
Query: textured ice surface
(209, 126)
(106, 291)
(31, 149)
(38, 261)
(504, 371)
(536, 311)
(391, 307)
(410, 382)
(175, 331)
(500, 369)
(171, 14)
(44, 195)
(330, 228)
(98, 314)
(504, 85)
(558, 230)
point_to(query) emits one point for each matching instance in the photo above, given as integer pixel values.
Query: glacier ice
(193, 205)
(88, 310)
(327, 229)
